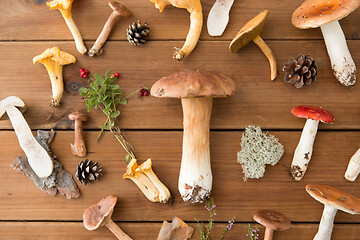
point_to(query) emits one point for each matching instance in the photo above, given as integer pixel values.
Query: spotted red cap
(314, 113)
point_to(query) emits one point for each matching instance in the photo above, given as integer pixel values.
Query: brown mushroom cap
(314, 113)
(249, 31)
(191, 84)
(314, 13)
(271, 219)
(120, 9)
(95, 215)
(11, 101)
(334, 198)
(78, 116)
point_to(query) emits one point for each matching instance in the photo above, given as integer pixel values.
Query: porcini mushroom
(272, 221)
(78, 148)
(176, 230)
(99, 214)
(196, 23)
(64, 7)
(303, 151)
(353, 168)
(53, 59)
(38, 158)
(118, 10)
(196, 90)
(333, 200)
(251, 32)
(326, 15)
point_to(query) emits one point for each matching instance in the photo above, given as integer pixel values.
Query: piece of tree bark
(176, 230)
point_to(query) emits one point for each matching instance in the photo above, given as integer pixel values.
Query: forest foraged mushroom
(196, 90)
(196, 22)
(99, 214)
(64, 7)
(53, 59)
(353, 168)
(303, 151)
(326, 15)
(79, 147)
(251, 32)
(38, 158)
(333, 200)
(118, 10)
(272, 221)
(218, 17)
(176, 230)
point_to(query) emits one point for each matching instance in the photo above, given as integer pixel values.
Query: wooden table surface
(154, 126)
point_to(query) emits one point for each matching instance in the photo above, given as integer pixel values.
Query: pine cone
(137, 33)
(300, 71)
(88, 171)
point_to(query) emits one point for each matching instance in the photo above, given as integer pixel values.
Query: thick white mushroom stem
(116, 230)
(303, 151)
(341, 61)
(195, 180)
(269, 54)
(76, 34)
(55, 72)
(353, 168)
(326, 223)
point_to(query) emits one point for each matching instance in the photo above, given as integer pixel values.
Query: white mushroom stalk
(326, 224)
(341, 61)
(353, 168)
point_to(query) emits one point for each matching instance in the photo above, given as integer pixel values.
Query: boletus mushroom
(326, 15)
(304, 149)
(251, 32)
(99, 214)
(272, 221)
(196, 90)
(79, 147)
(333, 200)
(53, 59)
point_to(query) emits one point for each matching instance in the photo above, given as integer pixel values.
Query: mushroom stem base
(326, 223)
(269, 54)
(76, 34)
(116, 230)
(353, 168)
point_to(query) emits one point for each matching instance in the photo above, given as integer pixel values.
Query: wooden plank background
(154, 126)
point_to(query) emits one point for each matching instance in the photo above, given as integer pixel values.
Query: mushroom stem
(55, 72)
(353, 168)
(303, 151)
(268, 234)
(326, 223)
(116, 230)
(76, 34)
(269, 54)
(195, 180)
(145, 185)
(341, 61)
(79, 148)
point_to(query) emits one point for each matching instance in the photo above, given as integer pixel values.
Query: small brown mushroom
(272, 221)
(177, 229)
(118, 10)
(100, 213)
(78, 148)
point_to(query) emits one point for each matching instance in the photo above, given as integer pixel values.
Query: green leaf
(99, 78)
(107, 73)
(115, 114)
(83, 90)
(123, 101)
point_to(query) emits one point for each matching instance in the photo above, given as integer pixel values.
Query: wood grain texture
(21, 200)
(258, 100)
(149, 231)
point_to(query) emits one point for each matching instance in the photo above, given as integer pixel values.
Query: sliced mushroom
(176, 230)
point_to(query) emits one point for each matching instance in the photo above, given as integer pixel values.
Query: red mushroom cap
(314, 113)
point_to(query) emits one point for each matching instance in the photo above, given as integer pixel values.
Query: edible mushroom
(353, 168)
(118, 10)
(176, 230)
(53, 59)
(333, 200)
(64, 7)
(100, 213)
(326, 15)
(251, 32)
(78, 148)
(303, 151)
(38, 158)
(272, 221)
(196, 90)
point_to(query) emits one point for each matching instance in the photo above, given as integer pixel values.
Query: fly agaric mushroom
(196, 22)
(38, 158)
(326, 15)
(272, 221)
(118, 10)
(196, 90)
(303, 151)
(333, 200)
(353, 168)
(53, 59)
(99, 214)
(64, 7)
(78, 148)
(251, 32)
(177, 229)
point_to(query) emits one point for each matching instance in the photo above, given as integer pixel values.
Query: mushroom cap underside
(78, 116)
(61, 4)
(192, 84)
(314, 13)
(272, 219)
(119, 8)
(314, 113)
(11, 101)
(54, 54)
(249, 31)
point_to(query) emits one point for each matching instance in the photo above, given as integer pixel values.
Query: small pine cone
(300, 71)
(88, 171)
(137, 33)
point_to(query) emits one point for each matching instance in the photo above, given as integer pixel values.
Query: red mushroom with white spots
(303, 151)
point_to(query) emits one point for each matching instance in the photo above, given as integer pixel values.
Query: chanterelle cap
(190, 84)
(314, 113)
(334, 198)
(314, 13)
(95, 214)
(271, 219)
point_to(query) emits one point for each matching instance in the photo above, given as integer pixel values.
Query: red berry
(146, 93)
(81, 70)
(85, 76)
(86, 71)
(142, 90)
(81, 74)
(117, 74)
(112, 75)
(141, 94)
